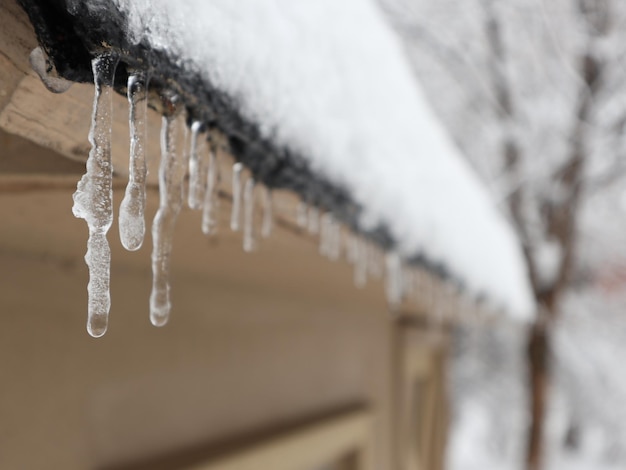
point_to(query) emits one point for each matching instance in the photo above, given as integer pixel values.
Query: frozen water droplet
(211, 200)
(44, 69)
(198, 167)
(268, 217)
(132, 224)
(235, 215)
(171, 181)
(93, 199)
(248, 222)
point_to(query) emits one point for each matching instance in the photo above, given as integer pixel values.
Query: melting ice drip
(93, 199)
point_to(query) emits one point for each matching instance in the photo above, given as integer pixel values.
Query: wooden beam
(310, 447)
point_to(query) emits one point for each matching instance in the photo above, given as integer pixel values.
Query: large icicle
(171, 178)
(236, 210)
(132, 223)
(211, 200)
(94, 196)
(248, 216)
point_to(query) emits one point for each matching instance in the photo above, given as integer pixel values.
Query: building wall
(255, 342)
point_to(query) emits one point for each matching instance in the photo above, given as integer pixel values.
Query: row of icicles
(93, 201)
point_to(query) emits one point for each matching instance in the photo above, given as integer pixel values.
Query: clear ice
(235, 215)
(93, 199)
(171, 178)
(268, 216)
(211, 201)
(198, 167)
(132, 223)
(248, 216)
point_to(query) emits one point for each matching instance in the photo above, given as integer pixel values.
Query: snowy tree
(534, 93)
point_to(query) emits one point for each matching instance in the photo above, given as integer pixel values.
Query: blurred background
(534, 93)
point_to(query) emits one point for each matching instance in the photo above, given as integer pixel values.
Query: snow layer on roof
(328, 79)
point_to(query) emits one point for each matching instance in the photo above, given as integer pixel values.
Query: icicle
(393, 283)
(248, 216)
(132, 225)
(236, 210)
(94, 196)
(198, 163)
(211, 200)
(313, 220)
(182, 144)
(301, 218)
(268, 217)
(171, 180)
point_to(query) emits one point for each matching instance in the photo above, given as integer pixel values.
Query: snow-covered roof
(327, 81)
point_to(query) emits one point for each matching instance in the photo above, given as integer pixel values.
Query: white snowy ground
(329, 80)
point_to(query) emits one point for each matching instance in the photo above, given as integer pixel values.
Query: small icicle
(211, 200)
(301, 218)
(248, 216)
(235, 215)
(132, 224)
(313, 220)
(93, 199)
(393, 285)
(268, 217)
(171, 180)
(198, 164)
